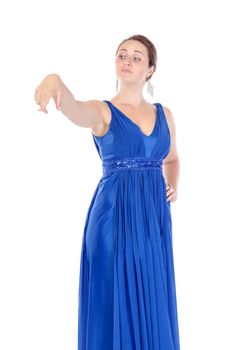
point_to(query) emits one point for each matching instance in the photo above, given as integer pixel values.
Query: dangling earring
(150, 88)
(117, 85)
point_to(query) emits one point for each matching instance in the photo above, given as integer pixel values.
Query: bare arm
(171, 164)
(88, 114)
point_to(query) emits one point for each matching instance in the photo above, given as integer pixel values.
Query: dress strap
(160, 107)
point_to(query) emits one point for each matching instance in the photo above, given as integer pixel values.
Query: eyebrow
(134, 50)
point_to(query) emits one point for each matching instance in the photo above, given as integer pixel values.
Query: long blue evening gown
(127, 293)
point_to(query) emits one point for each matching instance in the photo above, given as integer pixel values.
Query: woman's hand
(51, 86)
(170, 193)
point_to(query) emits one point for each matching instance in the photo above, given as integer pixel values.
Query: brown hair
(152, 52)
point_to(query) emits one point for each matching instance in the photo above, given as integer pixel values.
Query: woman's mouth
(125, 70)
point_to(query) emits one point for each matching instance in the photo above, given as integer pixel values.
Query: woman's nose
(127, 60)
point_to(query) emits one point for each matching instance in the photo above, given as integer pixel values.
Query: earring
(150, 88)
(117, 85)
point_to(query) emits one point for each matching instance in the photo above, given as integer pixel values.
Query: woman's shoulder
(168, 114)
(103, 108)
(170, 120)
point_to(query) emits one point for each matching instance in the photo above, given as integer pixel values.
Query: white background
(50, 167)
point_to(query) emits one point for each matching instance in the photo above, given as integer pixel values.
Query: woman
(127, 292)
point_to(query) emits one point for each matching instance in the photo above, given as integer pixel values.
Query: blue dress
(127, 293)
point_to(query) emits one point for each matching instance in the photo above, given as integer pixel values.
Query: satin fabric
(127, 293)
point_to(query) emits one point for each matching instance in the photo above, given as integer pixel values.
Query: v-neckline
(135, 124)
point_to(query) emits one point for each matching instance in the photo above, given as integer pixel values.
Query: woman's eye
(136, 58)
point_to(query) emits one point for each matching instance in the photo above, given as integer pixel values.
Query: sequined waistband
(110, 166)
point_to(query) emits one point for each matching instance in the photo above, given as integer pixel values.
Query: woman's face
(132, 62)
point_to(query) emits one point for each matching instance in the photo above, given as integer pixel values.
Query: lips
(125, 70)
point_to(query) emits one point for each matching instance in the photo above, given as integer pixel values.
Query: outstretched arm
(88, 114)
